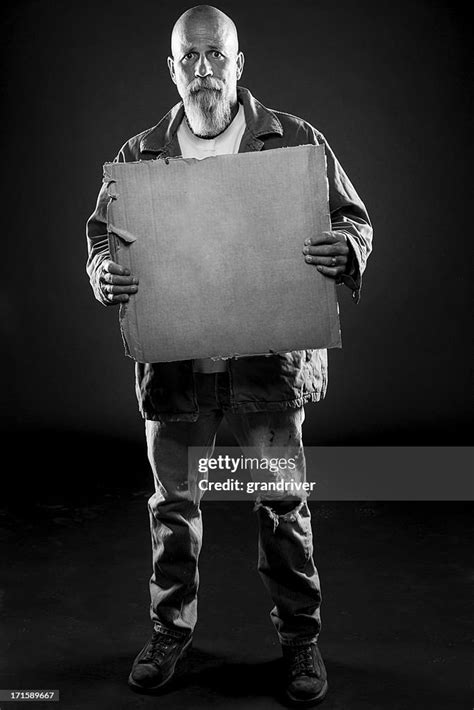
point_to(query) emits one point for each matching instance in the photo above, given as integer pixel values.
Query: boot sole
(310, 702)
(156, 689)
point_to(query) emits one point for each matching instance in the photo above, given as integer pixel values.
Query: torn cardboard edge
(168, 160)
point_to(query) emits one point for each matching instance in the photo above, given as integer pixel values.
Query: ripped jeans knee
(281, 510)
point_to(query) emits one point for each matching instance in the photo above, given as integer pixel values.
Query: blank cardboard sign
(217, 247)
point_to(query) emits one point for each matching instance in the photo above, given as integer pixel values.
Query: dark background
(386, 83)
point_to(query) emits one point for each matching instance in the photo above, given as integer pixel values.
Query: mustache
(205, 83)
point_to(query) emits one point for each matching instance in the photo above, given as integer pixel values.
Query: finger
(113, 268)
(117, 298)
(111, 288)
(340, 260)
(333, 272)
(327, 238)
(327, 249)
(121, 298)
(119, 280)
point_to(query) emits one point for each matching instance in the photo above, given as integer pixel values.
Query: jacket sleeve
(97, 238)
(348, 215)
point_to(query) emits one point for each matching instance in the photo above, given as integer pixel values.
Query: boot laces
(158, 646)
(303, 662)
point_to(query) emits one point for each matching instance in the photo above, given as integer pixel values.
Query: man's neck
(233, 111)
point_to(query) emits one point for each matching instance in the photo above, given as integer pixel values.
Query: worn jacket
(166, 391)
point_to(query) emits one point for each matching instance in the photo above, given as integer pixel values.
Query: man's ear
(171, 68)
(240, 64)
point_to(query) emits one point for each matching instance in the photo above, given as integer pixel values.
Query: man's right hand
(116, 283)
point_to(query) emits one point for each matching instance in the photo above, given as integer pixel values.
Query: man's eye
(216, 54)
(188, 56)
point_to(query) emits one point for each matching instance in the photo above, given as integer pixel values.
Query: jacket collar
(162, 137)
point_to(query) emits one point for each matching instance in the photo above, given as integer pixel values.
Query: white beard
(208, 112)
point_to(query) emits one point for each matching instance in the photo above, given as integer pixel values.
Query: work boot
(306, 683)
(156, 663)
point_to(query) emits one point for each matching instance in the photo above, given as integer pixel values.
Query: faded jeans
(285, 544)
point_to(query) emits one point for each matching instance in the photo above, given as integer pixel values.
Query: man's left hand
(329, 253)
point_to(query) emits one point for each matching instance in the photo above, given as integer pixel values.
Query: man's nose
(203, 67)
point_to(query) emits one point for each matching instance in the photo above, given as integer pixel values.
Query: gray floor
(396, 607)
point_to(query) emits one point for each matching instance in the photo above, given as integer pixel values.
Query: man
(262, 397)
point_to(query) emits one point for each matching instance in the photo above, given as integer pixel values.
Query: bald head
(201, 20)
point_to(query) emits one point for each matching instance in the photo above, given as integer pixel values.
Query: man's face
(205, 67)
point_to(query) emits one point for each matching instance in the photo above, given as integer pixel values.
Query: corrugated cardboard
(217, 246)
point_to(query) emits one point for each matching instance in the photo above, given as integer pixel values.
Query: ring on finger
(333, 261)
